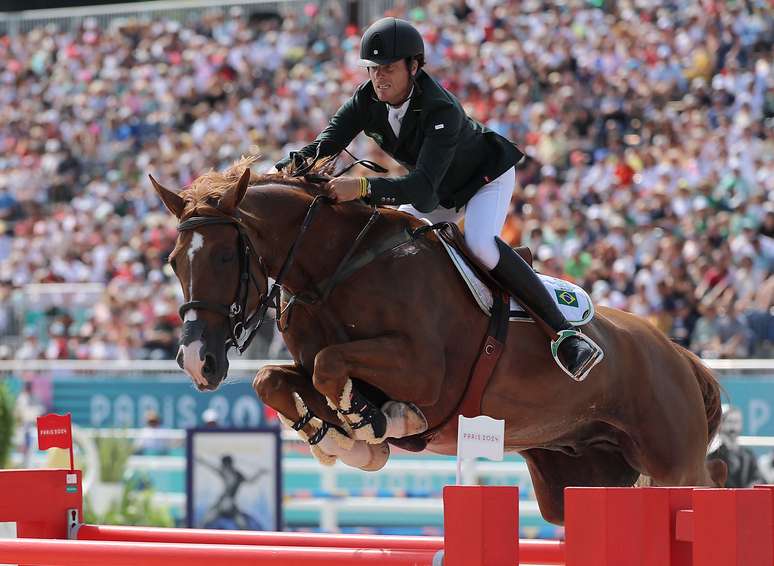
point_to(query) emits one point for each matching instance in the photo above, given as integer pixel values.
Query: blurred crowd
(649, 126)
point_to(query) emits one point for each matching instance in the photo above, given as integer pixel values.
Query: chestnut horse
(402, 324)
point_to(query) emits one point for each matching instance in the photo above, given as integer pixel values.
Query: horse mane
(215, 183)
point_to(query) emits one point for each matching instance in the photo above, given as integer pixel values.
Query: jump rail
(604, 527)
(87, 553)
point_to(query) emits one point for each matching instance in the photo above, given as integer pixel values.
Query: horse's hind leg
(671, 445)
(387, 363)
(289, 391)
(712, 473)
(682, 463)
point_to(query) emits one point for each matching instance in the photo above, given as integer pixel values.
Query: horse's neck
(276, 216)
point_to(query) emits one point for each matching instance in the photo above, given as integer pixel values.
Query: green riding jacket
(449, 155)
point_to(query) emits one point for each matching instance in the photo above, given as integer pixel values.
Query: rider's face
(392, 82)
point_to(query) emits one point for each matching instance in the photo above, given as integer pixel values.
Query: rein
(304, 168)
(273, 298)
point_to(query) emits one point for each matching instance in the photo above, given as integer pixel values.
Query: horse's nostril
(208, 369)
(180, 358)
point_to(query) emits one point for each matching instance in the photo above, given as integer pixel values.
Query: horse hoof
(404, 419)
(380, 453)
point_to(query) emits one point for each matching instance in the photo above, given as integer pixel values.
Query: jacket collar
(409, 122)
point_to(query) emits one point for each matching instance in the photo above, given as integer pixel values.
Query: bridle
(236, 313)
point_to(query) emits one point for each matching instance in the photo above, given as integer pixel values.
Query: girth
(489, 354)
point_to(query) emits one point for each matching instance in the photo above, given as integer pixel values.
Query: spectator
(734, 333)
(27, 410)
(706, 339)
(8, 205)
(683, 323)
(150, 441)
(766, 466)
(742, 465)
(30, 348)
(210, 419)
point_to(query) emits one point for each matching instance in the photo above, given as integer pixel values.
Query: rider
(453, 161)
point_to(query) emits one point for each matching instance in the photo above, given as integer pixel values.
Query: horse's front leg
(390, 364)
(289, 391)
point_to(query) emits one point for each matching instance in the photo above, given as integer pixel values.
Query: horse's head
(221, 281)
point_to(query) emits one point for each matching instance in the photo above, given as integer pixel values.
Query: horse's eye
(227, 256)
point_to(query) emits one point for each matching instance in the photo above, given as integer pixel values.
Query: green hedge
(114, 452)
(135, 508)
(7, 423)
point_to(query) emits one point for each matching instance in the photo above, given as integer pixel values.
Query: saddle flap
(572, 300)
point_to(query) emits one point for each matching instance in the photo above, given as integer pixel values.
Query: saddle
(571, 299)
(451, 235)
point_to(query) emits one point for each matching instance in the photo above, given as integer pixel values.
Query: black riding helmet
(389, 40)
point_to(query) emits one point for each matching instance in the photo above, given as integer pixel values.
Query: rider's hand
(344, 189)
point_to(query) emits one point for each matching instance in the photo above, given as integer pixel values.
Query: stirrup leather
(584, 370)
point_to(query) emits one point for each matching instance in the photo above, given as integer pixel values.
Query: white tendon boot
(327, 443)
(394, 420)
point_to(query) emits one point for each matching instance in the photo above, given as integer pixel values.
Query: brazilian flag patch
(567, 298)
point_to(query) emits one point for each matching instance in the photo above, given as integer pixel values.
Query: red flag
(55, 431)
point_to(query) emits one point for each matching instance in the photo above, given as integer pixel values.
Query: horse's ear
(172, 201)
(234, 195)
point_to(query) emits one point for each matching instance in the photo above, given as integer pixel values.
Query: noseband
(236, 313)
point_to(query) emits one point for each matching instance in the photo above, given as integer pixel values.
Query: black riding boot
(575, 352)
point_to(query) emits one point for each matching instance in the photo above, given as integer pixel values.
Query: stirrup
(583, 371)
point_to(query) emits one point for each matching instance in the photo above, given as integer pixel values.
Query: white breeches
(484, 216)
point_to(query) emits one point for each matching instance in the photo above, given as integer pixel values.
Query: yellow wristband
(363, 187)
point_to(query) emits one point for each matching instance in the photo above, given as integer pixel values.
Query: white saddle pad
(571, 299)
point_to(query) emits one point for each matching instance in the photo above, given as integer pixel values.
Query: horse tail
(711, 391)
